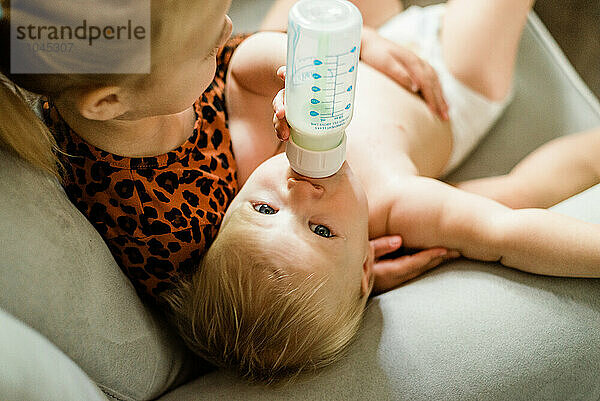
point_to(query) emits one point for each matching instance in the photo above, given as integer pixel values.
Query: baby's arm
(427, 213)
(255, 62)
(251, 85)
(557, 170)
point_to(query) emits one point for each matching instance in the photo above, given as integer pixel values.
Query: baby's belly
(393, 132)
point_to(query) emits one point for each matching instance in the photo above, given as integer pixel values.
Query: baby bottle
(322, 58)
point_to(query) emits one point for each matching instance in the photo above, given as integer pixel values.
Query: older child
(284, 285)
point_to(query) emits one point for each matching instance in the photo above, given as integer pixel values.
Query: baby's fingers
(281, 72)
(279, 122)
(281, 128)
(279, 104)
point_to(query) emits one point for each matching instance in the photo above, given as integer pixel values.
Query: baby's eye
(264, 208)
(321, 230)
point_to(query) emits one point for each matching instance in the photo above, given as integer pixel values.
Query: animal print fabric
(158, 215)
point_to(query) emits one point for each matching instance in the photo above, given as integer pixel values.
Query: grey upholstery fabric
(58, 277)
(33, 369)
(465, 331)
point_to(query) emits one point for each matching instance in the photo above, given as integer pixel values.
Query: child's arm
(374, 13)
(427, 213)
(557, 170)
(387, 57)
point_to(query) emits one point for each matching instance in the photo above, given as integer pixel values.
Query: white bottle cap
(316, 164)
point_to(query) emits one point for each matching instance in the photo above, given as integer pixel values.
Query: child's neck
(150, 136)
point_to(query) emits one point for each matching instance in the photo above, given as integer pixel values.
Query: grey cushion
(469, 330)
(58, 276)
(33, 369)
(465, 331)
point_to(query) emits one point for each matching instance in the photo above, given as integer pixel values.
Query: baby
(284, 285)
(153, 160)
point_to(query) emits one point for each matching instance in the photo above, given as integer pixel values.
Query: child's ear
(367, 274)
(102, 104)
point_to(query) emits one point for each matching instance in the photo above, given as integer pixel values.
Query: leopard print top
(158, 215)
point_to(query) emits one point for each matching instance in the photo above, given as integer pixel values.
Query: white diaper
(471, 114)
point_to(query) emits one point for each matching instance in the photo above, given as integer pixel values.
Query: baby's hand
(279, 122)
(390, 273)
(405, 67)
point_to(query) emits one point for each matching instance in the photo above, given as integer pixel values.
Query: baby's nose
(305, 188)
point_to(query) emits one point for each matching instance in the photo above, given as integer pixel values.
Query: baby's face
(323, 222)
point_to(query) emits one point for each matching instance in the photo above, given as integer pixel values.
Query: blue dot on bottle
(347, 106)
(314, 113)
(351, 69)
(314, 101)
(353, 49)
(349, 88)
(317, 62)
(315, 89)
(316, 76)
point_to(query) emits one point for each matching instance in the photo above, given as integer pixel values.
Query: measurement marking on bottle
(332, 83)
(335, 83)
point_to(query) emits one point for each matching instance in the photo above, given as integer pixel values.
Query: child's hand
(390, 273)
(279, 122)
(404, 67)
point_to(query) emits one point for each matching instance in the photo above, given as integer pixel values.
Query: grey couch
(71, 324)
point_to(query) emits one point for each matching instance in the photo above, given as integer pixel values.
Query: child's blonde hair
(247, 308)
(22, 133)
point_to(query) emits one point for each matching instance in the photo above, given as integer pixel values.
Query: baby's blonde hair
(248, 309)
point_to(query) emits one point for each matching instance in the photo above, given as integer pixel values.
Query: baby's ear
(367, 274)
(102, 104)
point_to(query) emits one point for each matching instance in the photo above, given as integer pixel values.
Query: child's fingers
(409, 63)
(391, 273)
(384, 245)
(427, 91)
(441, 106)
(404, 78)
(427, 82)
(400, 74)
(442, 103)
